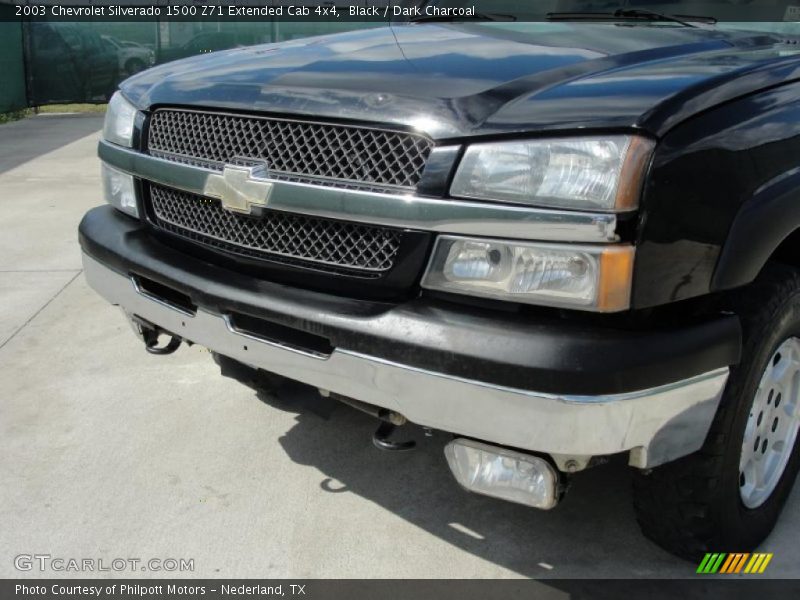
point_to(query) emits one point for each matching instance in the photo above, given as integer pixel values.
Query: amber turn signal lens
(631, 176)
(616, 275)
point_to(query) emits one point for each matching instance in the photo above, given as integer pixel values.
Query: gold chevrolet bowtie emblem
(240, 189)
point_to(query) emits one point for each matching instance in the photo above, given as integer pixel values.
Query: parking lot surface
(108, 452)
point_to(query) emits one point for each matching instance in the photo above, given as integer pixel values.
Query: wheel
(134, 65)
(728, 495)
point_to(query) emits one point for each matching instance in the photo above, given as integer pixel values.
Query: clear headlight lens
(119, 123)
(596, 278)
(119, 190)
(587, 173)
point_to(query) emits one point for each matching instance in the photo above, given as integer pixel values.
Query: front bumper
(489, 376)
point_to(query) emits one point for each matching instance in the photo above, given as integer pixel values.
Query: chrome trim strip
(332, 182)
(567, 398)
(389, 210)
(654, 425)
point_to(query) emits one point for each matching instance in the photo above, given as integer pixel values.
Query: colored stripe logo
(734, 563)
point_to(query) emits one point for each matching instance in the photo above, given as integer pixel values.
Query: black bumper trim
(507, 349)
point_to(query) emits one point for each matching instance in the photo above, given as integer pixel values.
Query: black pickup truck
(560, 241)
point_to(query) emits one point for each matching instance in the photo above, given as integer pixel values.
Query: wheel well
(788, 252)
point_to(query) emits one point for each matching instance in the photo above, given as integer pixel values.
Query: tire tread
(674, 502)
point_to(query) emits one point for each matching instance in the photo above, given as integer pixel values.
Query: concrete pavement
(108, 452)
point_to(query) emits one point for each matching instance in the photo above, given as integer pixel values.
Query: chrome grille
(300, 150)
(324, 244)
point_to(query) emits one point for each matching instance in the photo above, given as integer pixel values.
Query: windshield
(777, 12)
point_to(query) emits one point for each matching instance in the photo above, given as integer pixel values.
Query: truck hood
(463, 80)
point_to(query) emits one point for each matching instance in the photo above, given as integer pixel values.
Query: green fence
(12, 69)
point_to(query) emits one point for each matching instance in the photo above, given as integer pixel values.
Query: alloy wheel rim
(772, 426)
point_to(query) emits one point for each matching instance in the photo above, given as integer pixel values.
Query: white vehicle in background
(133, 57)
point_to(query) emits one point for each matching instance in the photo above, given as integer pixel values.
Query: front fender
(760, 226)
(723, 193)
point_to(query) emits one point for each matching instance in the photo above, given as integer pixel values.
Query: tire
(696, 504)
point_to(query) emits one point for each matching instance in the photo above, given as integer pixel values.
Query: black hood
(482, 79)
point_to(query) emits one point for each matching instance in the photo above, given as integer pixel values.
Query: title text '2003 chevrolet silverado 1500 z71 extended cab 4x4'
(558, 241)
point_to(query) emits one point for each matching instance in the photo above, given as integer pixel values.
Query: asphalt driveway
(108, 452)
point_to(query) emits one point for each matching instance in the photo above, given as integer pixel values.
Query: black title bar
(338, 11)
(342, 11)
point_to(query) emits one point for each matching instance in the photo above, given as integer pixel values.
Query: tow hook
(380, 439)
(149, 334)
(151, 344)
(390, 420)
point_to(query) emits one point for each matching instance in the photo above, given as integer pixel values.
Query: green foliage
(14, 115)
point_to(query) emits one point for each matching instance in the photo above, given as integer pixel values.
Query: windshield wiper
(630, 13)
(475, 17)
(636, 13)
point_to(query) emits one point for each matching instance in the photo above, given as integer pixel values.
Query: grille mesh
(281, 237)
(291, 149)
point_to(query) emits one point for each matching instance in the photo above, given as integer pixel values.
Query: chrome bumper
(654, 425)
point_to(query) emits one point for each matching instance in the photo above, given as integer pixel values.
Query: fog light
(119, 190)
(503, 474)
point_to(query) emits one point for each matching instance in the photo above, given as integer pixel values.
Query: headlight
(588, 173)
(120, 118)
(596, 278)
(119, 190)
